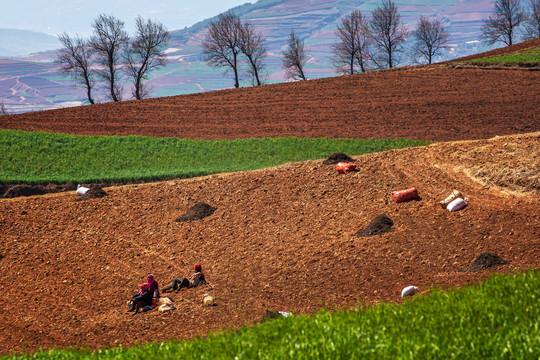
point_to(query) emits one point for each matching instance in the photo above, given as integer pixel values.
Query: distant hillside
(23, 42)
(186, 73)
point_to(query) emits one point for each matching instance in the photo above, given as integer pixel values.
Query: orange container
(344, 168)
(405, 195)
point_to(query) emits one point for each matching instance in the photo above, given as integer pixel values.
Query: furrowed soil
(418, 103)
(280, 238)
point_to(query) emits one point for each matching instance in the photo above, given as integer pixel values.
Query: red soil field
(426, 103)
(280, 238)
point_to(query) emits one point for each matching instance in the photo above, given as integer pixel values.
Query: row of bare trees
(110, 52)
(232, 44)
(363, 44)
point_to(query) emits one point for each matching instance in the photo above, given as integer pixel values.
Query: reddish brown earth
(428, 103)
(280, 239)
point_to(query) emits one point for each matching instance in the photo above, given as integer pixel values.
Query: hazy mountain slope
(15, 42)
(314, 21)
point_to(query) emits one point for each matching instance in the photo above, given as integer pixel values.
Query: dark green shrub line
(499, 319)
(40, 158)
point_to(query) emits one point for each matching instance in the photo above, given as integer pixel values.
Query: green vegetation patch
(499, 319)
(40, 157)
(531, 55)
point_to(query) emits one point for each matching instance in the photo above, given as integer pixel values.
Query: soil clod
(199, 211)
(379, 225)
(485, 261)
(337, 158)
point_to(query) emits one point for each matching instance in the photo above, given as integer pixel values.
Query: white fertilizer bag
(208, 300)
(409, 291)
(165, 304)
(81, 190)
(457, 204)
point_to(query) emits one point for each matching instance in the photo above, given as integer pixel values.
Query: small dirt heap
(199, 211)
(94, 193)
(378, 226)
(337, 158)
(485, 261)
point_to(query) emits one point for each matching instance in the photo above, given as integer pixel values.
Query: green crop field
(531, 55)
(499, 319)
(40, 158)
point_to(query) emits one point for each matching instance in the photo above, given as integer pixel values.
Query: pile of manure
(337, 158)
(378, 226)
(199, 211)
(485, 261)
(94, 193)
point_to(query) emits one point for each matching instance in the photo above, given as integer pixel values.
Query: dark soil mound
(485, 261)
(378, 226)
(13, 191)
(199, 211)
(25, 190)
(93, 193)
(336, 158)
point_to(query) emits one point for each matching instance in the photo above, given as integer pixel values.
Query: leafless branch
(108, 40)
(352, 49)
(294, 58)
(430, 39)
(502, 24)
(145, 53)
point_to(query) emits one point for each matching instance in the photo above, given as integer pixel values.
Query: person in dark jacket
(142, 299)
(194, 280)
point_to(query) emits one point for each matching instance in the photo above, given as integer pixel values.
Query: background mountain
(32, 82)
(15, 42)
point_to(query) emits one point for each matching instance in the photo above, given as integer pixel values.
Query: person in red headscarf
(153, 286)
(194, 280)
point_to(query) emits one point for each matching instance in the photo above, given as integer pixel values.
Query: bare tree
(532, 23)
(430, 38)
(108, 40)
(294, 58)
(252, 46)
(75, 60)
(388, 34)
(351, 50)
(3, 110)
(502, 24)
(145, 53)
(221, 46)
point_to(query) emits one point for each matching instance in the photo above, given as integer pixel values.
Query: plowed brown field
(426, 103)
(280, 238)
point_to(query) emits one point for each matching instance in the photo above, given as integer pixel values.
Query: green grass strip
(499, 319)
(531, 55)
(40, 157)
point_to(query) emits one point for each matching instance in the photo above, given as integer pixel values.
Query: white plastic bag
(409, 291)
(81, 190)
(457, 204)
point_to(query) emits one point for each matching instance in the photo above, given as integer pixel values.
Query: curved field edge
(41, 157)
(499, 318)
